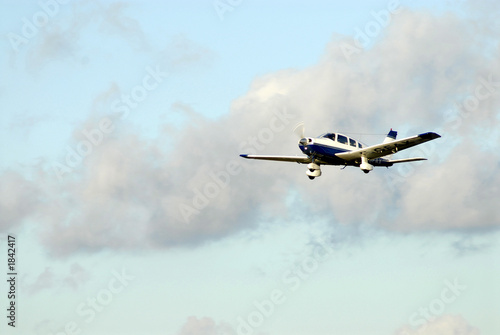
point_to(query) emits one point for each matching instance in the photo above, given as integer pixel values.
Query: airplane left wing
(384, 149)
(296, 159)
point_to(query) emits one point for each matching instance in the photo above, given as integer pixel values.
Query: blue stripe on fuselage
(327, 153)
(324, 152)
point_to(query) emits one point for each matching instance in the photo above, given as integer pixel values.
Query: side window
(342, 139)
(332, 137)
(352, 142)
(360, 145)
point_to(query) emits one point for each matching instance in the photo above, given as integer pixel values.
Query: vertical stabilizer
(391, 136)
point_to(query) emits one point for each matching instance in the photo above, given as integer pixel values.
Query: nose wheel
(311, 177)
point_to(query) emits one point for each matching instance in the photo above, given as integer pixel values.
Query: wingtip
(244, 155)
(429, 136)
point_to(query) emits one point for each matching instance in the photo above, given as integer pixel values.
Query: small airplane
(339, 149)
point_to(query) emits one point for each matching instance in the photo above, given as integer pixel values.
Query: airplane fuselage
(324, 150)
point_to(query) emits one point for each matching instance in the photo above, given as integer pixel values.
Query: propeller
(299, 129)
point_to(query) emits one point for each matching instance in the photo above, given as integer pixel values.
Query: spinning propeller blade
(299, 130)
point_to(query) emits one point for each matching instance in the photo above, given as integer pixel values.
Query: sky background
(121, 126)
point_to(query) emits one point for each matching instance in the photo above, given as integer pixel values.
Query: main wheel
(311, 177)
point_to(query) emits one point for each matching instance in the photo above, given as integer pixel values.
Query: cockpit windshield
(342, 139)
(329, 135)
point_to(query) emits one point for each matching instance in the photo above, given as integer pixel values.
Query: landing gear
(365, 166)
(313, 170)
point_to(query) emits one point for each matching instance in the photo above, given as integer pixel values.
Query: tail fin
(391, 136)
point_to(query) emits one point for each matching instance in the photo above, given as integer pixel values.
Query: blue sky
(117, 116)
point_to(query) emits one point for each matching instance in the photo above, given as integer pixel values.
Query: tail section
(391, 136)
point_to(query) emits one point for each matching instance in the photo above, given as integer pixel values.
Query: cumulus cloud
(44, 280)
(115, 21)
(459, 193)
(468, 245)
(443, 325)
(63, 37)
(20, 199)
(182, 53)
(76, 276)
(133, 192)
(60, 37)
(191, 187)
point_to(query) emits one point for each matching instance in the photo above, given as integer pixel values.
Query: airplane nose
(306, 141)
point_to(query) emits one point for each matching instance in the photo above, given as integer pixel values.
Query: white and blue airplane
(339, 149)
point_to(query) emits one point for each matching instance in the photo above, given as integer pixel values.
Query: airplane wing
(384, 149)
(296, 159)
(406, 160)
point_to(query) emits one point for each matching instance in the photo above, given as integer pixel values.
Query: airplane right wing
(384, 149)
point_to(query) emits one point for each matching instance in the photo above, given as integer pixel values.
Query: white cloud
(44, 280)
(130, 191)
(49, 279)
(443, 325)
(60, 37)
(460, 193)
(20, 199)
